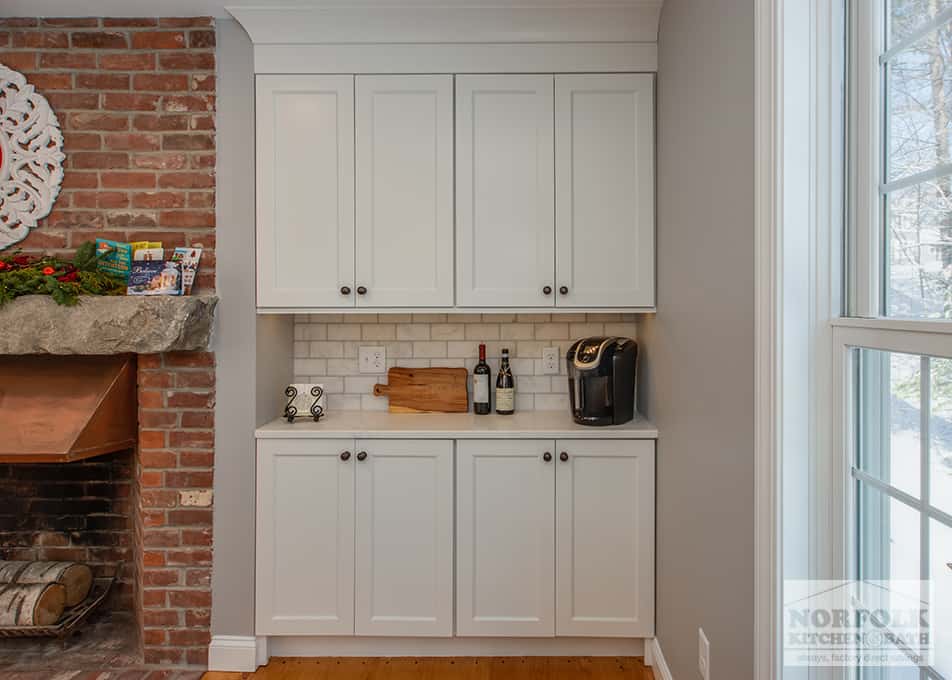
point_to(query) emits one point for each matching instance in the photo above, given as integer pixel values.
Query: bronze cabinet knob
(547, 290)
(547, 456)
(345, 290)
(361, 290)
(563, 456)
(345, 456)
(362, 455)
(564, 290)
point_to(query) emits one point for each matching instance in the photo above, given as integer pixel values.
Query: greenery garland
(62, 280)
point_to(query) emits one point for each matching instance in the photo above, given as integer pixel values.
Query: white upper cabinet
(305, 191)
(505, 250)
(605, 190)
(404, 191)
(605, 538)
(405, 538)
(554, 186)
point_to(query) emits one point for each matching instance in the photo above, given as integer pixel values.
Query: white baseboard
(655, 658)
(436, 647)
(237, 653)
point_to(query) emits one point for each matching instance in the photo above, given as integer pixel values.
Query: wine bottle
(481, 384)
(505, 388)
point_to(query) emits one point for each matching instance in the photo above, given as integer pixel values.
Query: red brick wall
(176, 456)
(136, 101)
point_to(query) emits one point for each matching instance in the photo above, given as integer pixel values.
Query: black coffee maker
(602, 380)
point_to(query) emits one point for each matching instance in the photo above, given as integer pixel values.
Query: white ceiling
(123, 8)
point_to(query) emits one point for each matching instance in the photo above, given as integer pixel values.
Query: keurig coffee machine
(602, 380)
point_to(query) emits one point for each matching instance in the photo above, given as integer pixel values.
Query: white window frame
(786, 75)
(865, 326)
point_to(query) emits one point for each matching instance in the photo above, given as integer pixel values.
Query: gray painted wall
(697, 369)
(249, 391)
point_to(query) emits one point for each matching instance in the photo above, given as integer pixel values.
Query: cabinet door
(605, 190)
(505, 539)
(305, 186)
(605, 539)
(504, 191)
(405, 191)
(305, 538)
(405, 538)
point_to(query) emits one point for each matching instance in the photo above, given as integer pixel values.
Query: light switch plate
(550, 360)
(703, 655)
(373, 359)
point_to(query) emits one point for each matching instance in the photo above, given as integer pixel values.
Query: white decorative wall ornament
(31, 157)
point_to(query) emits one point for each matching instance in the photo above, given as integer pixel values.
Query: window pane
(889, 442)
(940, 435)
(905, 16)
(941, 605)
(888, 537)
(919, 259)
(919, 92)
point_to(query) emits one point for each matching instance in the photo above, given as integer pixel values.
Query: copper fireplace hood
(65, 408)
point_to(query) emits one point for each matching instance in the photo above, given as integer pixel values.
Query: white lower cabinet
(555, 538)
(505, 538)
(604, 537)
(354, 537)
(305, 538)
(405, 538)
(552, 538)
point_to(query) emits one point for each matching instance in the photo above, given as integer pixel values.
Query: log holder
(73, 617)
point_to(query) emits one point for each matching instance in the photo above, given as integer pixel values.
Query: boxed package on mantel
(144, 268)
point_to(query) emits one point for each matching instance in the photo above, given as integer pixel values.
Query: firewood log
(32, 604)
(76, 578)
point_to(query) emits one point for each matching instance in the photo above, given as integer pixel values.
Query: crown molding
(635, 21)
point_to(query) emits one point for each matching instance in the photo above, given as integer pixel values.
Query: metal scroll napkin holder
(316, 410)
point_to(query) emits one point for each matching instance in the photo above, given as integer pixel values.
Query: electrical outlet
(373, 359)
(550, 360)
(703, 655)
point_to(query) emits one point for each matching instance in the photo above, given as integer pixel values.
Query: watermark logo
(853, 624)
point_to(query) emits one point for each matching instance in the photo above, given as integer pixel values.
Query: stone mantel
(35, 324)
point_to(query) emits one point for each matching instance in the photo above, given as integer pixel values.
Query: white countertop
(385, 425)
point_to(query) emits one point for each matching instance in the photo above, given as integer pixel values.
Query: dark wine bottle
(481, 384)
(505, 388)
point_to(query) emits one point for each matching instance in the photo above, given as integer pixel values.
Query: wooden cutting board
(426, 390)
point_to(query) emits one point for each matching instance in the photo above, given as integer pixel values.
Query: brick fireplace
(136, 101)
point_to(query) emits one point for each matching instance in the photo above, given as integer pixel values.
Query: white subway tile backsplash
(342, 367)
(378, 331)
(448, 331)
(304, 367)
(433, 350)
(552, 402)
(516, 331)
(326, 348)
(343, 331)
(482, 331)
(413, 331)
(551, 331)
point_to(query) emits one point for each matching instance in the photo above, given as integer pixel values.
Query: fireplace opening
(81, 512)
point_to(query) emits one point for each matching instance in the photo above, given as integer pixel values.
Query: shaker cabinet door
(605, 190)
(404, 191)
(505, 538)
(405, 537)
(504, 191)
(605, 538)
(305, 538)
(305, 191)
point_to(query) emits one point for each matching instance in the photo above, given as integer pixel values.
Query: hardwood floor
(484, 668)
